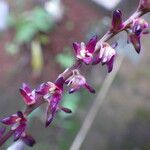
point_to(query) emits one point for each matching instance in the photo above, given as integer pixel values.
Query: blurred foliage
(31, 28)
(28, 24)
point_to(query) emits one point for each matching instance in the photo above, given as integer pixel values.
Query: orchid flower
(84, 51)
(106, 56)
(139, 26)
(76, 81)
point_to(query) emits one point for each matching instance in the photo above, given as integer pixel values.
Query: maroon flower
(117, 23)
(49, 88)
(138, 27)
(18, 123)
(85, 52)
(29, 96)
(106, 56)
(53, 108)
(52, 93)
(76, 81)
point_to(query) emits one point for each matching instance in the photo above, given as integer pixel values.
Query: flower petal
(76, 47)
(66, 110)
(28, 140)
(43, 89)
(20, 114)
(26, 88)
(110, 64)
(96, 60)
(28, 98)
(135, 40)
(90, 46)
(20, 129)
(49, 119)
(89, 88)
(52, 108)
(137, 29)
(2, 131)
(72, 90)
(59, 83)
(9, 120)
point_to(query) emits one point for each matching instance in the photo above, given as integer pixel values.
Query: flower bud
(117, 20)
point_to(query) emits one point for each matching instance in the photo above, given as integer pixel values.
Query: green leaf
(42, 20)
(25, 33)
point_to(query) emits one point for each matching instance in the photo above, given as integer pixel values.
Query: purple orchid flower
(29, 96)
(84, 51)
(106, 56)
(50, 87)
(18, 123)
(117, 23)
(53, 108)
(138, 27)
(52, 93)
(76, 81)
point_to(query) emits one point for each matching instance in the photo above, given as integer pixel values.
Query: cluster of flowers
(52, 94)
(89, 53)
(106, 53)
